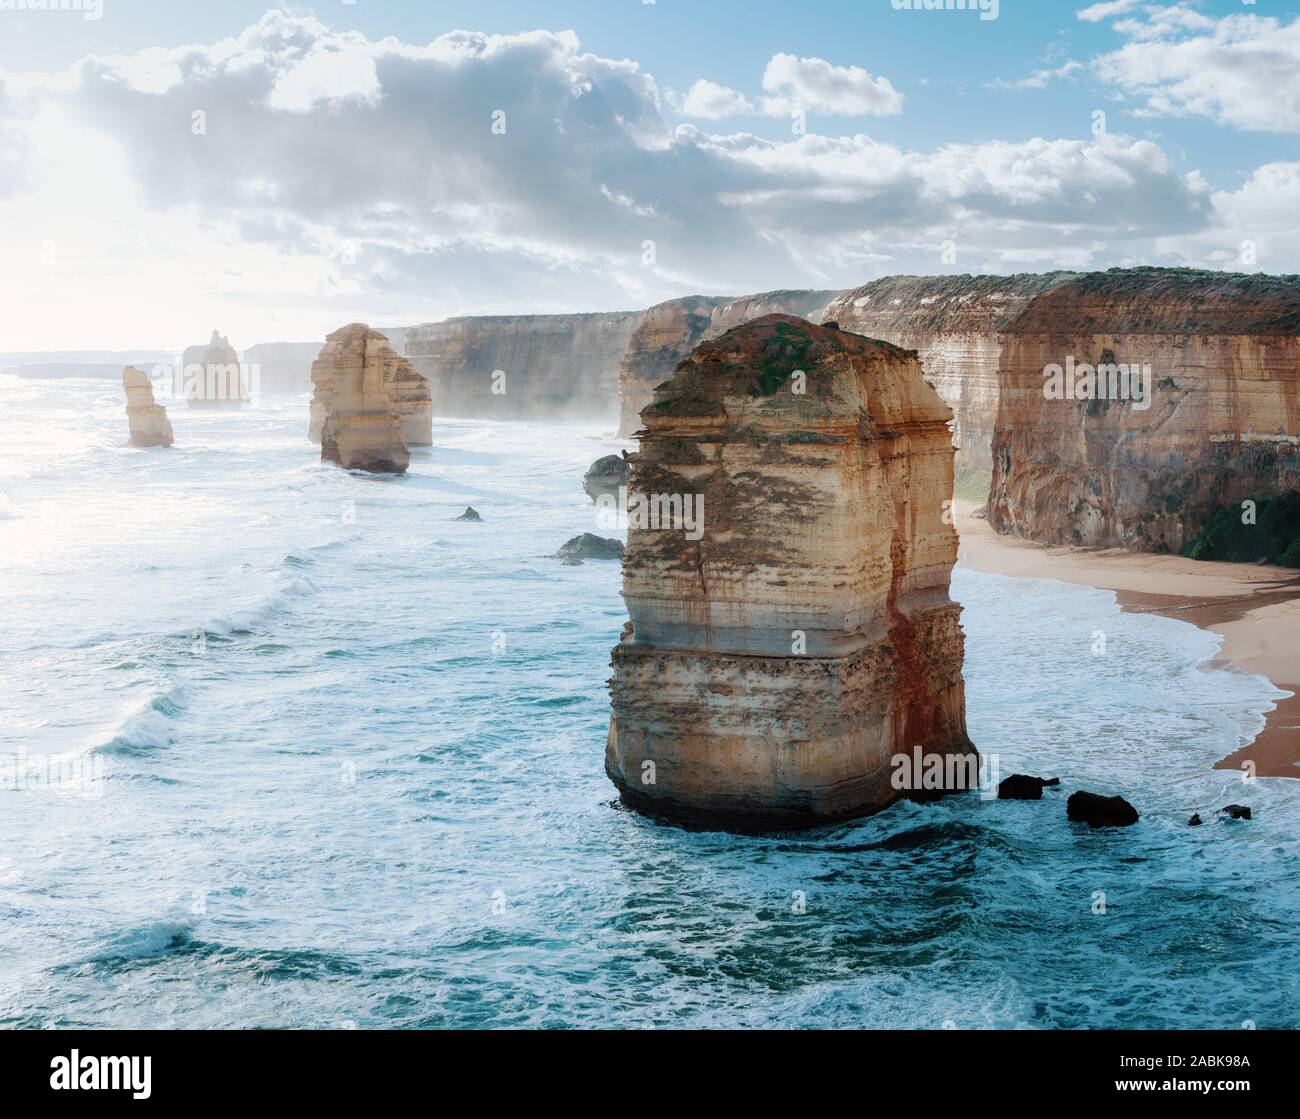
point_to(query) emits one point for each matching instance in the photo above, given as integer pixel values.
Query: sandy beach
(1255, 609)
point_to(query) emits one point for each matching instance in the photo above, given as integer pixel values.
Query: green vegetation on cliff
(1273, 538)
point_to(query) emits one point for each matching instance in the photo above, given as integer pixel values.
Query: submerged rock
(1019, 786)
(361, 430)
(588, 546)
(605, 476)
(146, 419)
(793, 639)
(1195, 821)
(470, 514)
(1100, 812)
(1235, 811)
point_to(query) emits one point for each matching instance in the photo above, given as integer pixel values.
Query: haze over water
(342, 763)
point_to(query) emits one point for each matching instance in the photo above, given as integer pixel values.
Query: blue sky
(923, 128)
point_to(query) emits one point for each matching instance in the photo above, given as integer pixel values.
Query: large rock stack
(147, 419)
(213, 378)
(785, 652)
(1222, 424)
(408, 391)
(361, 429)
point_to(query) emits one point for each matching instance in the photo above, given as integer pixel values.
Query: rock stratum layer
(669, 331)
(408, 391)
(524, 367)
(782, 654)
(957, 325)
(1222, 421)
(213, 378)
(361, 429)
(147, 419)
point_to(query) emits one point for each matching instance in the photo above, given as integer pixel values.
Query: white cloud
(1252, 228)
(708, 101)
(814, 85)
(1241, 70)
(1098, 12)
(341, 178)
(1039, 78)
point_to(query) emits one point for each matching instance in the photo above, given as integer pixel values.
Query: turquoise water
(330, 757)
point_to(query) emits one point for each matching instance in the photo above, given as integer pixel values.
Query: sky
(274, 171)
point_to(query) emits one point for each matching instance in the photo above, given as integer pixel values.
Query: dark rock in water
(470, 514)
(588, 546)
(1236, 811)
(1099, 811)
(1021, 787)
(1195, 821)
(571, 561)
(605, 476)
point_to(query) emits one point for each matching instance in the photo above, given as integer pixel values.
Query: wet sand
(1255, 609)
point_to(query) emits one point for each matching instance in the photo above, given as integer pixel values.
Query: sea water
(286, 746)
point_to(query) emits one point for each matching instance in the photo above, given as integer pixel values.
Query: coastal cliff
(670, 331)
(408, 391)
(361, 430)
(956, 325)
(1079, 460)
(791, 631)
(146, 419)
(524, 367)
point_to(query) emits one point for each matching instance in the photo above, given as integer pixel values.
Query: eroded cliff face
(408, 391)
(361, 429)
(524, 367)
(670, 331)
(956, 324)
(147, 420)
(1220, 425)
(793, 633)
(213, 378)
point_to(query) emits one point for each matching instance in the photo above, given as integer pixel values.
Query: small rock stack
(148, 420)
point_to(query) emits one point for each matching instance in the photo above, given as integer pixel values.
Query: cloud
(1241, 70)
(814, 85)
(342, 178)
(1252, 228)
(1098, 12)
(1039, 78)
(708, 101)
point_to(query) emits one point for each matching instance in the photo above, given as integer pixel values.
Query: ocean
(282, 746)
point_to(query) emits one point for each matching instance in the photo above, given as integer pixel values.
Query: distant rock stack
(1134, 404)
(148, 420)
(213, 378)
(792, 637)
(408, 390)
(361, 430)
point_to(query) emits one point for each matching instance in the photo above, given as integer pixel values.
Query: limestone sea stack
(408, 390)
(1136, 403)
(957, 325)
(213, 378)
(668, 332)
(786, 576)
(147, 419)
(361, 430)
